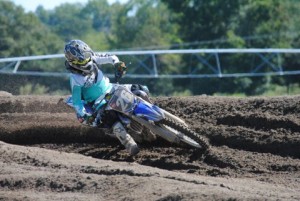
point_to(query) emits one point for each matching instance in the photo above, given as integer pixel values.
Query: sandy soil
(255, 155)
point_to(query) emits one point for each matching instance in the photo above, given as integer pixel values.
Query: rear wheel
(185, 134)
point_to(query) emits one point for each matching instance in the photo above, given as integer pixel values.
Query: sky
(30, 5)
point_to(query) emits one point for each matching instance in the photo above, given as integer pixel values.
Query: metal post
(218, 65)
(17, 66)
(279, 64)
(154, 65)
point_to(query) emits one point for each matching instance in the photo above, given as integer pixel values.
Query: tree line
(157, 24)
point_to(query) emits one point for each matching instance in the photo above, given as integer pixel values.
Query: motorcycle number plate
(122, 101)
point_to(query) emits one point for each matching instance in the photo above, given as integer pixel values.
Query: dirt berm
(46, 155)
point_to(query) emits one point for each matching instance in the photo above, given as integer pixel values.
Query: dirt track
(255, 154)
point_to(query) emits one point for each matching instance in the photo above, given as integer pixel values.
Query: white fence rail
(208, 58)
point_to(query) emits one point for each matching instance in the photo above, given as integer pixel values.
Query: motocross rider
(88, 84)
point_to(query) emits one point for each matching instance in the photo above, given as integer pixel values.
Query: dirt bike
(136, 113)
(138, 116)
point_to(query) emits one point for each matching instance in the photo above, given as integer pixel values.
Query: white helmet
(79, 57)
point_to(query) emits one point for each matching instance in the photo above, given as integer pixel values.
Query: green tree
(67, 20)
(90, 22)
(200, 23)
(202, 20)
(142, 25)
(292, 61)
(100, 13)
(266, 24)
(235, 24)
(22, 34)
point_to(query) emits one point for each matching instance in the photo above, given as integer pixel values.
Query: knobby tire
(186, 131)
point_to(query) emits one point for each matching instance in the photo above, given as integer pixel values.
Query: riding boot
(125, 138)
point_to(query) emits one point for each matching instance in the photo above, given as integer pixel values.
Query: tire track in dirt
(250, 136)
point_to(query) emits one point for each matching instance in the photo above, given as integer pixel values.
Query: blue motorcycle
(139, 116)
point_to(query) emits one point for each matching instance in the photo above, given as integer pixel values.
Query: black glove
(120, 69)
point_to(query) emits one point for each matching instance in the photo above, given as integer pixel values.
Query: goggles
(81, 63)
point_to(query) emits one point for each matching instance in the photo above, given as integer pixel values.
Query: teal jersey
(81, 92)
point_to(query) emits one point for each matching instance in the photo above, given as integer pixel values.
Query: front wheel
(185, 134)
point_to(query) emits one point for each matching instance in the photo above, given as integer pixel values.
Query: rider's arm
(105, 59)
(112, 59)
(76, 87)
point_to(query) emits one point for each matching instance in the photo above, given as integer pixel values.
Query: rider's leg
(125, 138)
(139, 90)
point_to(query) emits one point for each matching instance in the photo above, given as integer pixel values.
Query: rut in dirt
(248, 135)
